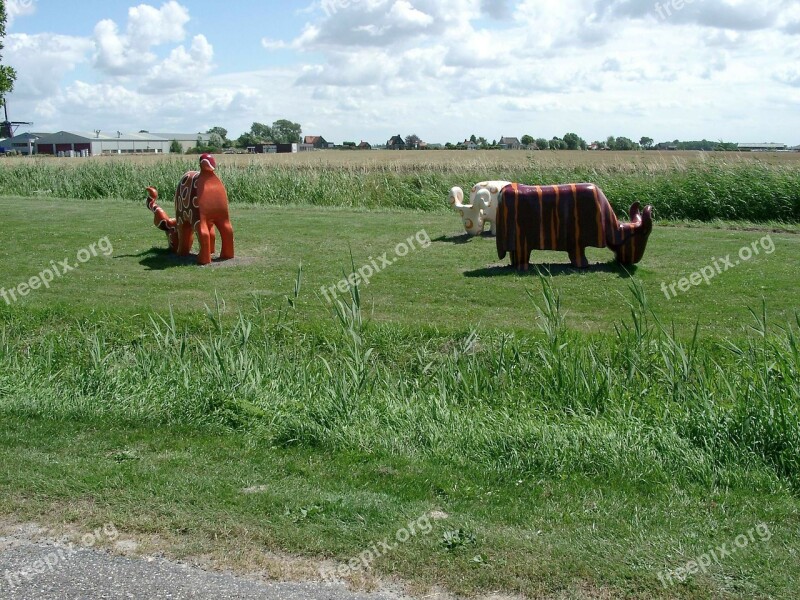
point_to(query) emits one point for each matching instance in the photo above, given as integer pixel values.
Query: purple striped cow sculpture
(567, 218)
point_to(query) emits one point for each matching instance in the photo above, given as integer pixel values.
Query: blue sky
(443, 69)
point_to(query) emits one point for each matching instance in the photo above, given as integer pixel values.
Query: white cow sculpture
(482, 207)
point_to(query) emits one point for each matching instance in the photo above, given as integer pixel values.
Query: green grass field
(579, 434)
(454, 284)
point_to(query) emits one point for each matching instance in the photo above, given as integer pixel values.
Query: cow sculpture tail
(161, 219)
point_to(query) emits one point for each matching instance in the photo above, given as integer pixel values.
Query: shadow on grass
(158, 259)
(463, 238)
(553, 270)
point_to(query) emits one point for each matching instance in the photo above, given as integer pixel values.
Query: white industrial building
(77, 143)
(765, 147)
(186, 140)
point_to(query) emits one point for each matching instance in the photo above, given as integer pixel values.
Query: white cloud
(182, 68)
(42, 61)
(129, 53)
(18, 8)
(789, 76)
(149, 26)
(405, 15)
(114, 54)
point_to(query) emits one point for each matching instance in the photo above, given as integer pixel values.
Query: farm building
(317, 142)
(762, 147)
(270, 148)
(65, 143)
(396, 143)
(24, 143)
(364, 145)
(509, 143)
(186, 140)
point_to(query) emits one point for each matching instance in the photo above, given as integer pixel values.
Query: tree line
(281, 131)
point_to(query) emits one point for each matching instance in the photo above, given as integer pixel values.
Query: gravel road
(47, 570)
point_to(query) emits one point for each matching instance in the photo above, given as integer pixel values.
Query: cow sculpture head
(208, 163)
(630, 249)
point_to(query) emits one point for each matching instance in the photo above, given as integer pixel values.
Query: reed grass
(705, 190)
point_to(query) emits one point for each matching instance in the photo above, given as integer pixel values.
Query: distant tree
(143, 131)
(215, 141)
(261, 133)
(286, 132)
(557, 144)
(214, 145)
(646, 143)
(223, 134)
(175, 147)
(449, 145)
(7, 74)
(413, 141)
(623, 143)
(574, 142)
(598, 144)
(473, 139)
(542, 144)
(611, 142)
(247, 140)
(527, 140)
(220, 131)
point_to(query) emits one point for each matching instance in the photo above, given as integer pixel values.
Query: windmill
(7, 127)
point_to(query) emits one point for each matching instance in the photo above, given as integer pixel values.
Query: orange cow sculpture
(201, 203)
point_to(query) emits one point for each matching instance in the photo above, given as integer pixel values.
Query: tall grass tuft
(642, 405)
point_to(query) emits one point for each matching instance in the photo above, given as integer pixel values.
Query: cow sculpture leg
(185, 238)
(226, 233)
(204, 237)
(578, 259)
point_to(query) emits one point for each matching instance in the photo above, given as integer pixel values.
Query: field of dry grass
(455, 159)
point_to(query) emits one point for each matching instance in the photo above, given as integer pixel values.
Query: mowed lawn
(445, 280)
